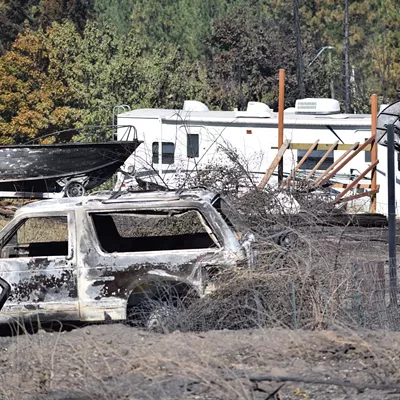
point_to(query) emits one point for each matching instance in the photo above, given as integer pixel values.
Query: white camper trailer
(177, 142)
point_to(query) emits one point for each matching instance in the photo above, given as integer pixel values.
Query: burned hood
(389, 115)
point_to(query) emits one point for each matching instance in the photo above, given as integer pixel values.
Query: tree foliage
(116, 13)
(35, 98)
(67, 63)
(248, 52)
(16, 15)
(60, 78)
(13, 13)
(183, 23)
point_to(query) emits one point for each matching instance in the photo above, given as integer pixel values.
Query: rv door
(163, 157)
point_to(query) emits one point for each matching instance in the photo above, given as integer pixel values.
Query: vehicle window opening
(227, 214)
(152, 231)
(38, 237)
(314, 158)
(192, 145)
(167, 154)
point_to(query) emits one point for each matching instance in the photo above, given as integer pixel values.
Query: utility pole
(240, 81)
(391, 176)
(320, 51)
(281, 113)
(347, 97)
(299, 51)
(331, 73)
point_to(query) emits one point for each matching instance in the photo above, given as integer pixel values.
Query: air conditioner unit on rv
(317, 106)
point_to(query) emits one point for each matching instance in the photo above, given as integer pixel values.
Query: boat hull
(41, 168)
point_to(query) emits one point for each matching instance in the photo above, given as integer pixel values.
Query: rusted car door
(128, 247)
(38, 259)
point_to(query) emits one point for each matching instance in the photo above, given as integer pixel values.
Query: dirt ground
(119, 362)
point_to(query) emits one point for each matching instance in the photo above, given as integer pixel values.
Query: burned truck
(97, 258)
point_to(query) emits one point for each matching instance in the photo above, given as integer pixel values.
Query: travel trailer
(179, 142)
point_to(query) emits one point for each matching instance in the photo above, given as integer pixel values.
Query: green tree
(75, 11)
(248, 51)
(374, 42)
(60, 78)
(383, 50)
(110, 72)
(168, 79)
(116, 13)
(183, 23)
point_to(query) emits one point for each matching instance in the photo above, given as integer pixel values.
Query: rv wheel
(74, 189)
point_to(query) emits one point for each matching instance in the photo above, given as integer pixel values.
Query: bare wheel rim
(75, 189)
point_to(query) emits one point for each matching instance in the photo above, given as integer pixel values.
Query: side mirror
(247, 241)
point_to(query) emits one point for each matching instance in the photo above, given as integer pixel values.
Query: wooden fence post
(281, 109)
(374, 149)
(275, 162)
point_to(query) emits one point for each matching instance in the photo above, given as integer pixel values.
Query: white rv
(177, 142)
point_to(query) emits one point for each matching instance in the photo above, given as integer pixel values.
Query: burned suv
(94, 258)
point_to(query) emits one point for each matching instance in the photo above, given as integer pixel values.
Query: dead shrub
(255, 298)
(306, 281)
(231, 174)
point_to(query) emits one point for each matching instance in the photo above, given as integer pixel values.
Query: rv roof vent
(254, 110)
(317, 106)
(255, 107)
(194, 105)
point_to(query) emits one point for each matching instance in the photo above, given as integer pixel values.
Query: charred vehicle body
(96, 258)
(4, 292)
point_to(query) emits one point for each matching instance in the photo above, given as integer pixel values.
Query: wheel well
(165, 291)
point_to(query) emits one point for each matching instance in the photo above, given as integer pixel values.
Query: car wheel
(75, 189)
(163, 318)
(154, 316)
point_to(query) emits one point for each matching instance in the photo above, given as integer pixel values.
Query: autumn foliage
(67, 63)
(35, 99)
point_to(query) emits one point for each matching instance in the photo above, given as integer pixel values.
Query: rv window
(151, 230)
(367, 155)
(168, 150)
(192, 145)
(38, 237)
(314, 158)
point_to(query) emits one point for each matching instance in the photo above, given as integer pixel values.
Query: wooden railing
(350, 151)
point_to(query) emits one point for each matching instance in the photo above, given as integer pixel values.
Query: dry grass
(4, 222)
(331, 278)
(118, 362)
